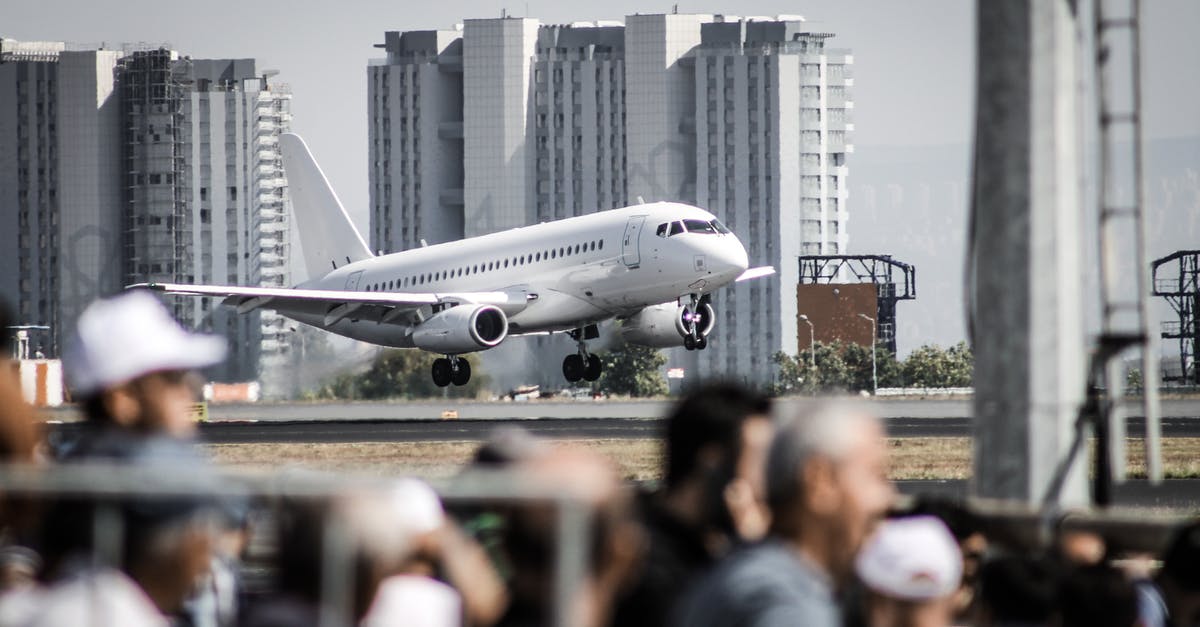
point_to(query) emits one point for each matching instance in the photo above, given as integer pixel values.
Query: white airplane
(652, 266)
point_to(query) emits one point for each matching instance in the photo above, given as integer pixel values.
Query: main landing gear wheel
(462, 374)
(701, 343)
(451, 369)
(689, 342)
(594, 368)
(442, 372)
(573, 368)
(582, 365)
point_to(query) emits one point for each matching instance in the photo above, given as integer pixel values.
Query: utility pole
(1024, 252)
(874, 341)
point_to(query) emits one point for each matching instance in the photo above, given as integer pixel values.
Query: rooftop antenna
(675, 9)
(503, 13)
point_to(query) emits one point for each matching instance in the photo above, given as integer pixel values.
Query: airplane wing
(338, 303)
(755, 273)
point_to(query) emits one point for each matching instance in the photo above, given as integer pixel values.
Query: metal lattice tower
(1180, 285)
(1125, 312)
(877, 269)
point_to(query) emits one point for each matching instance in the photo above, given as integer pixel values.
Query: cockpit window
(721, 228)
(661, 231)
(699, 226)
(676, 228)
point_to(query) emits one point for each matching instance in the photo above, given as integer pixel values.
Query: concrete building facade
(746, 117)
(416, 115)
(59, 209)
(136, 167)
(205, 196)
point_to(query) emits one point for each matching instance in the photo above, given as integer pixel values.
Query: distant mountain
(911, 202)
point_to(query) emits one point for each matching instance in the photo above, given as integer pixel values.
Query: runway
(474, 430)
(407, 410)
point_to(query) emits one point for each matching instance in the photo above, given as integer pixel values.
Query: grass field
(640, 460)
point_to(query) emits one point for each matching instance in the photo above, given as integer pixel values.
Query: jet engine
(462, 329)
(665, 325)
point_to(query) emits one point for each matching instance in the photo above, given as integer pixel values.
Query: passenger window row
(520, 260)
(670, 229)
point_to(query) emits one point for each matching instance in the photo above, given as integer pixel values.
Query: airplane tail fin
(327, 235)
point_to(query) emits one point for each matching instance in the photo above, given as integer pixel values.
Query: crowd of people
(762, 518)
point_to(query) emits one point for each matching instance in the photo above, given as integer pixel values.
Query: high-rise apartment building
(205, 191)
(145, 166)
(771, 116)
(746, 117)
(59, 208)
(416, 172)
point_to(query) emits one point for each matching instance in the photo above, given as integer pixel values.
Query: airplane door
(352, 281)
(630, 248)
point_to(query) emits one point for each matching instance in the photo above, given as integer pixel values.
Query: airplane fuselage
(560, 275)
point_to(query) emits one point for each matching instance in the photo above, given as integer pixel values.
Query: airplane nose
(728, 257)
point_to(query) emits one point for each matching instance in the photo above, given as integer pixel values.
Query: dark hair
(958, 519)
(6, 320)
(712, 415)
(1019, 589)
(1097, 596)
(1181, 561)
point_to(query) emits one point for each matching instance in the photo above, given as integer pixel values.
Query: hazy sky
(913, 76)
(913, 94)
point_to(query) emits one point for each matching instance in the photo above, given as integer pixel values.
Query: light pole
(874, 372)
(812, 341)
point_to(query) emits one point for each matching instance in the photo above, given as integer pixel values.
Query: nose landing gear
(582, 365)
(451, 369)
(695, 340)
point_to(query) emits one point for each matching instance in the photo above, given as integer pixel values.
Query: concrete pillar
(1028, 322)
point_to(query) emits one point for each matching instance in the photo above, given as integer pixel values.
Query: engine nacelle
(462, 329)
(664, 326)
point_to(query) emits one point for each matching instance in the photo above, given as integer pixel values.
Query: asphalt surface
(474, 430)
(412, 410)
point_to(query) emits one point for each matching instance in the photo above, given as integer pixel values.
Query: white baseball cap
(122, 338)
(914, 558)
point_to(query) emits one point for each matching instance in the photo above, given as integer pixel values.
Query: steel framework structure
(1179, 283)
(878, 269)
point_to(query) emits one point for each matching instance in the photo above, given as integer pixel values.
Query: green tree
(1133, 381)
(401, 373)
(933, 367)
(839, 368)
(633, 370)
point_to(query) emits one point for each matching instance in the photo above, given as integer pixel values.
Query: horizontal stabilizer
(756, 273)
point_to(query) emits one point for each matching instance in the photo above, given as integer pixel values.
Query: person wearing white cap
(911, 569)
(128, 363)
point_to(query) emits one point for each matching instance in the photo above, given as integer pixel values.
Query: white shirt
(414, 601)
(101, 598)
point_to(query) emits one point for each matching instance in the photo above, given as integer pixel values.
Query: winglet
(755, 273)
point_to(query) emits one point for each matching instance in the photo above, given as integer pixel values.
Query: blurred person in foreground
(972, 543)
(713, 497)
(19, 440)
(18, 426)
(910, 570)
(530, 539)
(391, 538)
(132, 368)
(1097, 595)
(129, 362)
(1018, 591)
(827, 489)
(1172, 597)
